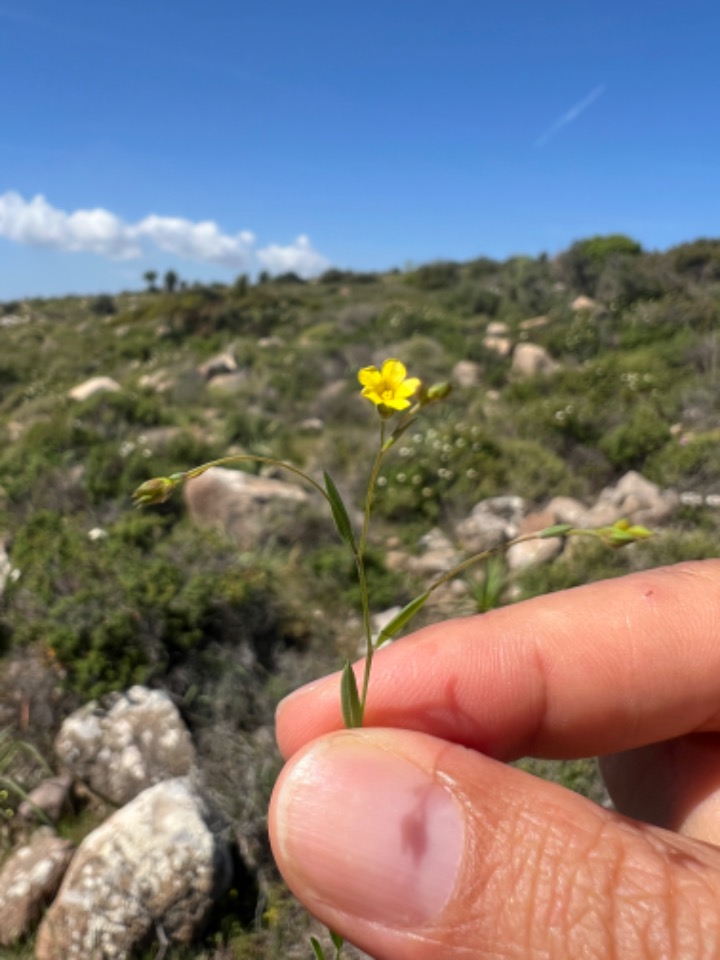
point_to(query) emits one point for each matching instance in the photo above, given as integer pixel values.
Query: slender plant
(399, 400)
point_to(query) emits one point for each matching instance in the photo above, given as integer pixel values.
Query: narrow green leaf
(340, 514)
(338, 942)
(559, 530)
(317, 949)
(401, 619)
(350, 698)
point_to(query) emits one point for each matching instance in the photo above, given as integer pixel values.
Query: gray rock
(120, 750)
(466, 373)
(435, 555)
(13, 320)
(568, 510)
(29, 880)
(222, 363)
(235, 502)
(582, 303)
(311, 425)
(5, 565)
(532, 553)
(153, 869)
(497, 328)
(533, 323)
(530, 360)
(158, 380)
(88, 388)
(52, 796)
(228, 382)
(635, 498)
(492, 522)
(500, 345)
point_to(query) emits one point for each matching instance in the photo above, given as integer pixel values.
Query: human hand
(413, 839)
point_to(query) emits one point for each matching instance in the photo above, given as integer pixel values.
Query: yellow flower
(389, 387)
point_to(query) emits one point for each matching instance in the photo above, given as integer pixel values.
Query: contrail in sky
(572, 114)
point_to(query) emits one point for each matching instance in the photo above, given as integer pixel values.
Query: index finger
(601, 668)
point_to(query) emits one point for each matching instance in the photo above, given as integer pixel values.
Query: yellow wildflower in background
(389, 387)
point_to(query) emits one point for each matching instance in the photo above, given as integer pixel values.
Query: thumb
(414, 848)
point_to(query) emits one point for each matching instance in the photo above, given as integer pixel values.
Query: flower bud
(438, 391)
(621, 533)
(157, 490)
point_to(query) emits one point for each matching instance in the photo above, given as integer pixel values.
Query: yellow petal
(369, 376)
(397, 403)
(408, 387)
(394, 371)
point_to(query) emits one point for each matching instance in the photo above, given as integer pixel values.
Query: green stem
(478, 558)
(371, 490)
(241, 457)
(502, 548)
(360, 563)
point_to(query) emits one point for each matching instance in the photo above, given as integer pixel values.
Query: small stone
(29, 880)
(88, 388)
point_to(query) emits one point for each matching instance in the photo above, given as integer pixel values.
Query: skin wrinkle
(541, 667)
(668, 886)
(547, 886)
(644, 913)
(676, 894)
(586, 890)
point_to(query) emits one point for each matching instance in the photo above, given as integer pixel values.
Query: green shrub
(583, 263)
(631, 442)
(335, 570)
(134, 605)
(448, 468)
(671, 317)
(694, 465)
(584, 406)
(526, 287)
(470, 299)
(626, 279)
(580, 335)
(103, 306)
(482, 267)
(434, 276)
(113, 470)
(699, 259)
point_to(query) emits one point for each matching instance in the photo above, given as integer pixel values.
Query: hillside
(96, 596)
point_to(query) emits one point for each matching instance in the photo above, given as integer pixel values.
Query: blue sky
(223, 137)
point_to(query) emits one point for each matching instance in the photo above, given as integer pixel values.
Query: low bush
(113, 612)
(434, 276)
(645, 431)
(692, 465)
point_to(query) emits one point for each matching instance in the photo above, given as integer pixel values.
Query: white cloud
(197, 241)
(36, 223)
(298, 258)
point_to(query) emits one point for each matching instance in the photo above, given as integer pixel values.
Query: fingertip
(361, 830)
(296, 714)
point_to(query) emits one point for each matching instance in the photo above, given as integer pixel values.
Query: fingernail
(369, 833)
